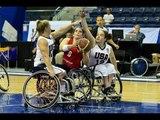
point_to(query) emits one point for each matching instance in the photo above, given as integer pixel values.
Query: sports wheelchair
(97, 85)
(40, 91)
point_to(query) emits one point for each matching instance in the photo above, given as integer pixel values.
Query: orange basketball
(83, 43)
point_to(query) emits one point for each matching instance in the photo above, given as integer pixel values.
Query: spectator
(100, 26)
(140, 37)
(108, 17)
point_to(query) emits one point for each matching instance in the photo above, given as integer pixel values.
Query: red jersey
(73, 57)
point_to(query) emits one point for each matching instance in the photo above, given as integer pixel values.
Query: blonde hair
(41, 25)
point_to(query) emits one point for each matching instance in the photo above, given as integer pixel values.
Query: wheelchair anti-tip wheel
(40, 91)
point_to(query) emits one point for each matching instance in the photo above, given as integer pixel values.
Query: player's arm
(86, 59)
(64, 46)
(110, 41)
(89, 35)
(43, 45)
(113, 60)
(64, 29)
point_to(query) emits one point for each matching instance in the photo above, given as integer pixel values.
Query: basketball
(83, 43)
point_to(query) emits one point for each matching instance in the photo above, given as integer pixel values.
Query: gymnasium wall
(24, 51)
(15, 16)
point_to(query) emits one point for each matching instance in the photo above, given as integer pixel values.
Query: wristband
(65, 48)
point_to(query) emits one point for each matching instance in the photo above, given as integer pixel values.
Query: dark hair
(109, 9)
(105, 33)
(109, 36)
(99, 16)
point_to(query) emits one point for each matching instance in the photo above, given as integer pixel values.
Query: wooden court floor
(132, 91)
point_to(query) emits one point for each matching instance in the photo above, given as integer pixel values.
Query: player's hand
(52, 73)
(116, 46)
(75, 43)
(82, 14)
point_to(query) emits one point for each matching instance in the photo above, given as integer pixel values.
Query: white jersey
(108, 18)
(103, 29)
(98, 55)
(39, 58)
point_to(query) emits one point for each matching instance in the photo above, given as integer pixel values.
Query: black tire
(83, 88)
(40, 91)
(4, 79)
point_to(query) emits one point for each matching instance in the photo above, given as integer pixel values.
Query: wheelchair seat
(37, 68)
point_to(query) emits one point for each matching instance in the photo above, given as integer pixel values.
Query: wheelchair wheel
(4, 79)
(158, 71)
(116, 89)
(40, 91)
(82, 84)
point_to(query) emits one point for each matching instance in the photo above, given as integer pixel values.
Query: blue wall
(15, 16)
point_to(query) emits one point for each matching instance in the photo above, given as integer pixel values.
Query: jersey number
(99, 62)
(69, 54)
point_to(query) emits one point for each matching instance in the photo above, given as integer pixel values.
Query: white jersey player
(99, 55)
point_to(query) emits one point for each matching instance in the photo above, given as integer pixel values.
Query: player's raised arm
(89, 35)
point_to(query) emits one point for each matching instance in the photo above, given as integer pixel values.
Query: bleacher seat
(117, 11)
(127, 12)
(103, 11)
(138, 12)
(119, 20)
(154, 20)
(145, 20)
(157, 12)
(91, 20)
(130, 20)
(95, 12)
(149, 11)
(141, 20)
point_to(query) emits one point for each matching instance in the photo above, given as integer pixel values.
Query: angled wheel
(82, 84)
(4, 79)
(40, 91)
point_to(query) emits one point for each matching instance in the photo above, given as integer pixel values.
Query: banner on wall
(55, 25)
(9, 32)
